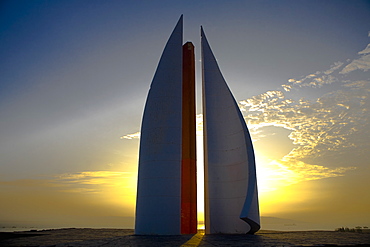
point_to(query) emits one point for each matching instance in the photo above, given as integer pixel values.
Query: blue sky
(75, 75)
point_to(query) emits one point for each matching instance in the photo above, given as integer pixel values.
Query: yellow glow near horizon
(117, 188)
(272, 178)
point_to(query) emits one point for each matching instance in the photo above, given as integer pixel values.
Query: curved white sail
(230, 173)
(159, 178)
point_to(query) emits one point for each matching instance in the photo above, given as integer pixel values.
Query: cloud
(333, 68)
(93, 181)
(199, 129)
(81, 182)
(330, 131)
(287, 87)
(328, 120)
(135, 135)
(319, 79)
(366, 50)
(336, 124)
(362, 63)
(325, 130)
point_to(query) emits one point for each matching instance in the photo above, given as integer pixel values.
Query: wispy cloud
(332, 124)
(361, 63)
(81, 182)
(199, 129)
(135, 135)
(332, 75)
(94, 181)
(316, 80)
(333, 116)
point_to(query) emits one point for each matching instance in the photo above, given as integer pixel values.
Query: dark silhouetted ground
(120, 237)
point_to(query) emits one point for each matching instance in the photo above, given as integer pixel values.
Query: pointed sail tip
(180, 21)
(202, 31)
(178, 27)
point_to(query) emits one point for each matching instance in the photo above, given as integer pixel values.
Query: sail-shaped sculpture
(166, 194)
(159, 179)
(231, 198)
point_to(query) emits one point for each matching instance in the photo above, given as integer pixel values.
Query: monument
(166, 194)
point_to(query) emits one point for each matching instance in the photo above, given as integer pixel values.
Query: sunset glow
(75, 76)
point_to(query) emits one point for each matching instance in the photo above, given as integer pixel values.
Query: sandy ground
(120, 237)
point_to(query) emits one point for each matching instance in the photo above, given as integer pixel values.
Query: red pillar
(188, 171)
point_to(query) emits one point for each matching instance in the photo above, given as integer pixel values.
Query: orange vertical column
(188, 170)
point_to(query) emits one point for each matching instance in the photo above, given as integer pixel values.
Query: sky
(74, 76)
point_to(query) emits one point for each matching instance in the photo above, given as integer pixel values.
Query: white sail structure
(158, 204)
(231, 199)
